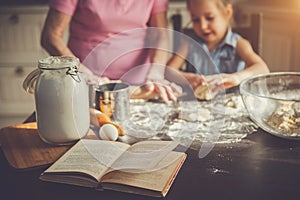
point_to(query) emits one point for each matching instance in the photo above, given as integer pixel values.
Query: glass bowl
(273, 102)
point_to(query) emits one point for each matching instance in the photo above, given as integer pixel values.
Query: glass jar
(61, 100)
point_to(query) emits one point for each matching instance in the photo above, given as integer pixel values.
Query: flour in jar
(62, 105)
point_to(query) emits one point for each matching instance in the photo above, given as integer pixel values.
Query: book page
(144, 156)
(92, 157)
(159, 180)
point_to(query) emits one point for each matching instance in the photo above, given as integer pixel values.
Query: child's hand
(222, 81)
(195, 80)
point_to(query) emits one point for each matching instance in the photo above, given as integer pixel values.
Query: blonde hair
(222, 4)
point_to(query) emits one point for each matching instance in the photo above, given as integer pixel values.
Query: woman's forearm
(53, 31)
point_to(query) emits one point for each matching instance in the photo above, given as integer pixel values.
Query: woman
(100, 29)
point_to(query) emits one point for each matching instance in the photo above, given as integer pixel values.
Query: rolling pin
(98, 119)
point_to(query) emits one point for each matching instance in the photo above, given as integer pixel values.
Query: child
(233, 57)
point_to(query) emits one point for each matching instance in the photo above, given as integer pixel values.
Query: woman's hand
(90, 77)
(164, 89)
(155, 89)
(157, 84)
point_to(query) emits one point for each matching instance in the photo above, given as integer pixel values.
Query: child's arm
(177, 61)
(254, 65)
(178, 58)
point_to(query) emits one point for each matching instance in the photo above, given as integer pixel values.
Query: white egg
(108, 132)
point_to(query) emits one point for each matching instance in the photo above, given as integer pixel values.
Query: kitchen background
(21, 23)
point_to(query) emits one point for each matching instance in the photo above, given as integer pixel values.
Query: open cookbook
(147, 167)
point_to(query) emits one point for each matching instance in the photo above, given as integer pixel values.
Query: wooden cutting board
(24, 149)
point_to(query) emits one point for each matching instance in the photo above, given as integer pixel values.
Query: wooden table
(262, 166)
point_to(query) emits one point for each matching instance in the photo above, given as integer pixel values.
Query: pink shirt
(97, 23)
